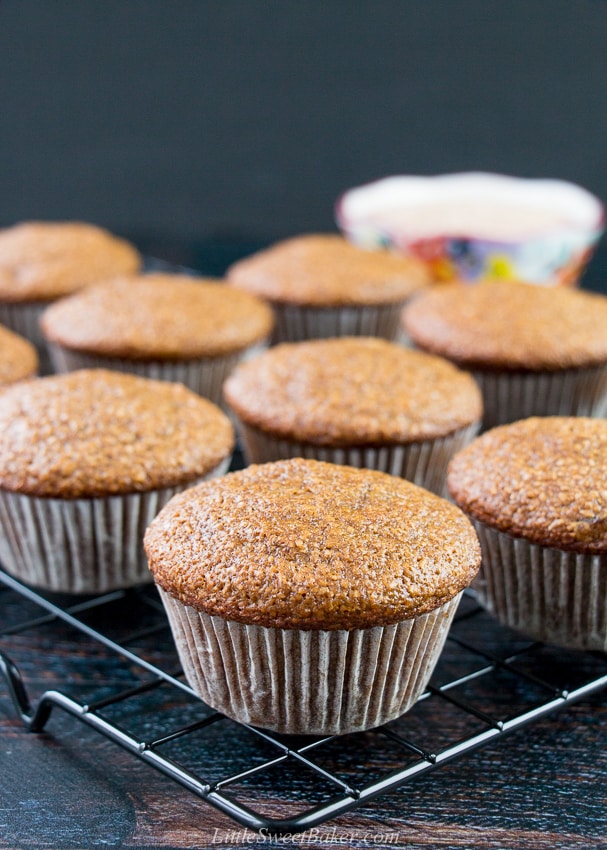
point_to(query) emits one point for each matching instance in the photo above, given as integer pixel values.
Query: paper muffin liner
(315, 682)
(548, 594)
(424, 463)
(297, 323)
(24, 319)
(81, 545)
(204, 375)
(510, 396)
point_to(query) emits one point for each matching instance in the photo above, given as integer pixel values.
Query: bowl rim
(589, 220)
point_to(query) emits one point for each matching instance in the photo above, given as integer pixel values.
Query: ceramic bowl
(477, 226)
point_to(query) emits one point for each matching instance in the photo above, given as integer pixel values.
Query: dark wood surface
(543, 786)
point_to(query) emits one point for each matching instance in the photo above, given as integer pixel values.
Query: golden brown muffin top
(18, 358)
(94, 433)
(162, 316)
(308, 545)
(40, 261)
(352, 391)
(325, 270)
(544, 479)
(509, 325)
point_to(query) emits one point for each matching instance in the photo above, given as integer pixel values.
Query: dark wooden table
(542, 786)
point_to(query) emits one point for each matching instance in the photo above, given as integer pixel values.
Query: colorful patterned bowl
(477, 226)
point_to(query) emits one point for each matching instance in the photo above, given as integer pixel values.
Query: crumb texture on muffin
(40, 261)
(327, 270)
(352, 390)
(543, 479)
(96, 433)
(162, 316)
(507, 325)
(304, 544)
(18, 357)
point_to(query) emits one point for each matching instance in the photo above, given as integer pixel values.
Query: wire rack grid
(478, 693)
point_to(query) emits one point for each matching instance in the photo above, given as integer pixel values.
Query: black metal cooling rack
(477, 694)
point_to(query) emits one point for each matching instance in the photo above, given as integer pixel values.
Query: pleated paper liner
(550, 595)
(204, 375)
(424, 463)
(298, 323)
(81, 545)
(510, 396)
(319, 682)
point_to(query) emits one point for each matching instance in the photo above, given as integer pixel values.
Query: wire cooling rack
(478, 693)
(489, 681)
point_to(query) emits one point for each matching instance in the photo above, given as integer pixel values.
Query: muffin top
(18, 358)
(96, 433)
(40, 261)
(162, 316)
(310, 545)
(352, 390)
(542, 478)
(509, 325)
(325, 270)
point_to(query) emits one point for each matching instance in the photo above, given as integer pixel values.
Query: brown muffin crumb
(18, 358)
(542, 478)
(309, 545)
(158, 316)
(510, 326)
(325, 270)
(96, 433)
(352, 390)
(40, 261)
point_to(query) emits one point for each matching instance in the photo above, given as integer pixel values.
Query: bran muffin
(18, 358)
(163, 326)
(41, 261)
(86, 461)
(535, 490)
(320, 285)
(308, 597)
(360, 401)
(535, 351)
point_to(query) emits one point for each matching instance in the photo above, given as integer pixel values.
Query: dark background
(191, 124)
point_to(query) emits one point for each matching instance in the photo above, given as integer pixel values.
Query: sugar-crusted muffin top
(94, 433)
(543, 478)
(352, 390)
(18, 358)
(40, 261)
(509, 325)
(163, 316)
(305, 544)
(325, 270)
